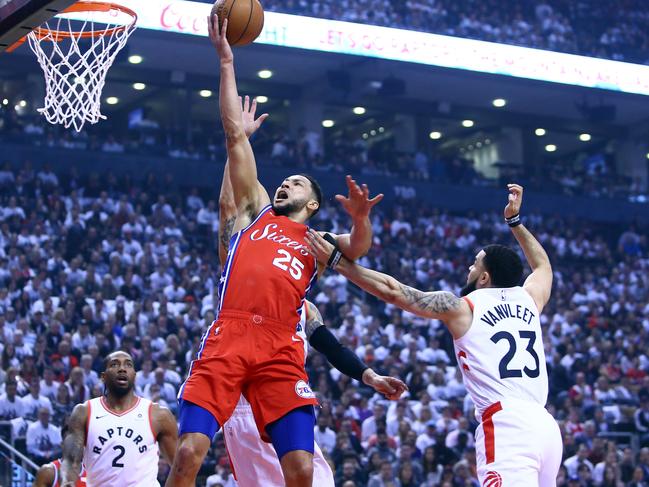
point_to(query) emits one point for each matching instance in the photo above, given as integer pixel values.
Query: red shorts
(251, 355)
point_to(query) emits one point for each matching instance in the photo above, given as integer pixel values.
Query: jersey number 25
(287, 262)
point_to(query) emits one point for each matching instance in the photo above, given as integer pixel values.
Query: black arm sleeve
(341, 357)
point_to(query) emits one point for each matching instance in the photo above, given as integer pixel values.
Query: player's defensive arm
(243, 169)
(539, 283)
(73, 445)
(166, 431)
(358, 205)
(441, 305)
(346, 361)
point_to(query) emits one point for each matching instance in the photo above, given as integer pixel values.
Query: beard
(289, 208)
(121, 391)
(469, 288)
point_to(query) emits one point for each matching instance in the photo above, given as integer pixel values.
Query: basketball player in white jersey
(117, 436)
(497, 336)
(255, 462)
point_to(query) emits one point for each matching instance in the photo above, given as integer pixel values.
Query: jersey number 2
(121, 451)
(296, 267)
(506, 373)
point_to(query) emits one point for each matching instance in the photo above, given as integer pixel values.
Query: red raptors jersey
(268, 270)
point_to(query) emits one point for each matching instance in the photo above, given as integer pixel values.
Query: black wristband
(341, 357)
(514, 221)
(336, 255)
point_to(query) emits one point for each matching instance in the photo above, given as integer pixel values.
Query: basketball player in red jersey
(49, 475)
(252, 348)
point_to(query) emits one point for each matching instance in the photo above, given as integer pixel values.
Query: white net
(75, 53)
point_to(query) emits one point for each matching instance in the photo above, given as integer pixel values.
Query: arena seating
(88, 265)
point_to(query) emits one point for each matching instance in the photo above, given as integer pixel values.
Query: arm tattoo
(226, 231)
(73, 445)
(314, 321)
(437, 302)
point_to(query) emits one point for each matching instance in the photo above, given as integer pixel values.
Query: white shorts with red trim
(255, 462)
(518, 444)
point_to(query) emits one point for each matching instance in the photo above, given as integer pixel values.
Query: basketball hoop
(75, 51)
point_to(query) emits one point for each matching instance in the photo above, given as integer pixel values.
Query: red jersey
(57, 475)
(269, 270)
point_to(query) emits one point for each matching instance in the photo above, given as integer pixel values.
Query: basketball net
(75, 51)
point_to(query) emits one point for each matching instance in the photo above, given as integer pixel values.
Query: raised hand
(250, 125)
(219, 39)
(390, 387)
(357, 203)
(515, 200)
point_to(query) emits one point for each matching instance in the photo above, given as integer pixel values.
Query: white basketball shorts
(518, 444)
(255, 462)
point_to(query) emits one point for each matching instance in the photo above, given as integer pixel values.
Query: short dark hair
(317, 191)
(107, 359)
(503, 265)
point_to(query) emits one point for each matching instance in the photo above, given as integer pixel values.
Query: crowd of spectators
(92, 264)
(613, 30)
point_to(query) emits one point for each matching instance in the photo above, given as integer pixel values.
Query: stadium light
(550, 148)
(265, 73)
(261, 99)
(467, 123)
(22, 103)
(139, 86)
(135, 59)
(540, 132)
(205, 93)
(381, 130)
(112, 100)
(359, 110)
(499, 102)
(328, 123)
(435, 135)
(372, 132)
(584, 137)
(365, 136)
(5, 102)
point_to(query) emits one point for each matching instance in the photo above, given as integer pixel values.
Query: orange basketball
(245, 19)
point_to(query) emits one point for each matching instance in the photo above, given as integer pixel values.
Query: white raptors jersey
(121, 449)
(501, 356)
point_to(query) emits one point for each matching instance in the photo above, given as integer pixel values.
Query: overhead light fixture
(478, 144)
(584, 137)
(381, 130)
(112, 100)
(205, 93)
(359, 110)
(5, 102)
(435, 135)
(470, 146)
(265, 73)
(22, 103)
(365, 136)
(550, 148)
(372, 132)
(487, 141)
(135, 59)
(328, 123)
(540, 132)
(499, 102)
(139, 86)
(261, 99)
(467, 123)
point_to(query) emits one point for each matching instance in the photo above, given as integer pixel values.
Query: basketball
(245, 19)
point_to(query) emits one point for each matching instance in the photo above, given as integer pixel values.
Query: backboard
(19, 17)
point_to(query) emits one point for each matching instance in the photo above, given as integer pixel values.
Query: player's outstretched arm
(73, 445)
(227, 206)
(346, 361)
(249, 196)
(45, 476)
(539, 283)
(164, 424)
(358, 205)
(441, 305)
